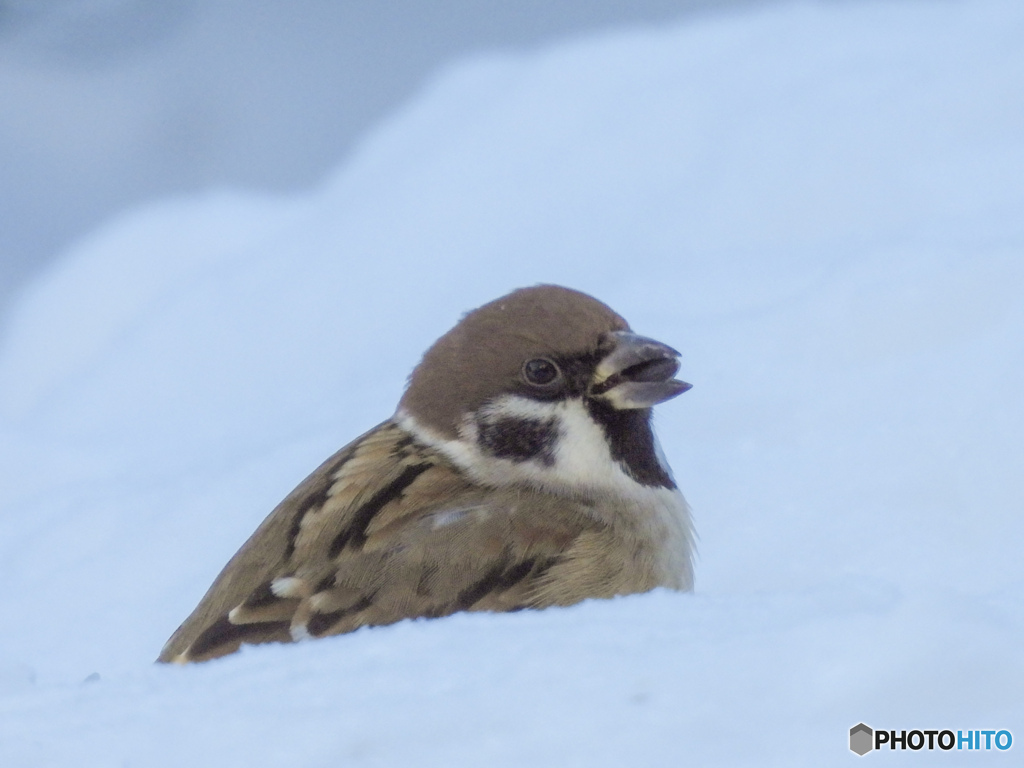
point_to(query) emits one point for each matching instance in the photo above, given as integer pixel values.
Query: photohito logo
(863, 739)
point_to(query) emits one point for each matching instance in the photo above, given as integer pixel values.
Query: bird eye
(540, 372)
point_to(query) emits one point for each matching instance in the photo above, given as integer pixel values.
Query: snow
(819, 205)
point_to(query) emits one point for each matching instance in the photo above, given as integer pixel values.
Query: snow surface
(819, 205)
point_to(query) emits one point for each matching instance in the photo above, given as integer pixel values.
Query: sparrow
(520, 470)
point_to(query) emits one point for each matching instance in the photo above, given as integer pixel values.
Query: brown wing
(387, 529)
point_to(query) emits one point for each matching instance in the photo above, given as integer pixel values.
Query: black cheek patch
(519, 438)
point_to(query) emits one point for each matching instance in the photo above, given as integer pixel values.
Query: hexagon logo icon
(861, 739)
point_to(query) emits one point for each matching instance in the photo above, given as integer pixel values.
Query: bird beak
(637, 372)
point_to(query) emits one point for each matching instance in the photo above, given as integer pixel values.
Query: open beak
(637, 372)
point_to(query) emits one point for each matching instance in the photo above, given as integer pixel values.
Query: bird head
(547, 386)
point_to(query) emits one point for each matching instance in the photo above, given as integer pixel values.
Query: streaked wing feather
(387, 529)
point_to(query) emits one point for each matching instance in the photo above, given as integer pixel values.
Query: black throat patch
(631, 442)
(518, 438)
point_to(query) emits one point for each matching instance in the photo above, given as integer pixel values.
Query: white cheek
(582, 459)
(583, 456)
